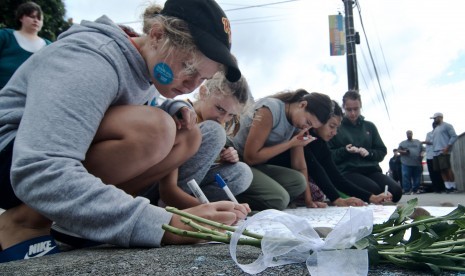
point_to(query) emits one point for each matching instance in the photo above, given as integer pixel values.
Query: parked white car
(425, 179)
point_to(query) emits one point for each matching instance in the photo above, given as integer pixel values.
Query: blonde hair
(176, 35)
(218, 85)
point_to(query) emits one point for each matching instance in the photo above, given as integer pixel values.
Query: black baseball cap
(210, 29)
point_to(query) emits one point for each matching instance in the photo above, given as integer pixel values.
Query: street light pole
(351, 39)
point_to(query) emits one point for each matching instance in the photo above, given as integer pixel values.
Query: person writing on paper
(273, 126)
(323, 171)
(357, 149)
(219, 104)
(85, 144)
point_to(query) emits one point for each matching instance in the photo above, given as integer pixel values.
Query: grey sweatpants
(202, 166)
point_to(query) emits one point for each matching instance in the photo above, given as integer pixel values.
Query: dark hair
(351, 95)
(28, 9)
(336, 109)
(317, 103)
(290, 96)
(435, 125)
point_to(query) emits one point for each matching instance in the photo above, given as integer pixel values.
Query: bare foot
(21, 223)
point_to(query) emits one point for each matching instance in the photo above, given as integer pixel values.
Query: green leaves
(427, 242)
(424, 243)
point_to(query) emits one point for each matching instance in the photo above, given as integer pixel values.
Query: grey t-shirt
(429, 148)
(413, 158)
(443, 135)
(281, 131)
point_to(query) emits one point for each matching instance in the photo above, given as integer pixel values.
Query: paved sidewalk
(433, 199)
(205, 259)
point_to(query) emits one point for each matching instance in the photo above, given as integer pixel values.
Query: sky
(417, 49)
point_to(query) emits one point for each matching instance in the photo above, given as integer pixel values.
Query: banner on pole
(337, 38)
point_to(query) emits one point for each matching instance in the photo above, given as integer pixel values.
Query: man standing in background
(435, 176)
(395, 167)
(444, 137)
(411, 151)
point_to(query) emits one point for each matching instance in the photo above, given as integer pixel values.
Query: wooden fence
(458, 162)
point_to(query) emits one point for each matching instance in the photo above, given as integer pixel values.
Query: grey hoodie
(53, 105)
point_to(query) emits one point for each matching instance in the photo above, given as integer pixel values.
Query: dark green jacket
(362, 134)
(11, 55)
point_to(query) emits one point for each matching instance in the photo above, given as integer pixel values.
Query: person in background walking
(411, 153)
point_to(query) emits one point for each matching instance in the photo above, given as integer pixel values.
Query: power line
(259, 6)
(234, 9)
(372, 60)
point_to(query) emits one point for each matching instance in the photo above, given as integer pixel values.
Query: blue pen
(223, 185)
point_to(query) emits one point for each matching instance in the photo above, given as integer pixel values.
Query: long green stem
(201, 228)
(422, 245)
(209, 237)
(211, 223)
(393, 229)
(447, 243)
(197, 235)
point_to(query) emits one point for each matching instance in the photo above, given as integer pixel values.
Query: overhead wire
(383, 96)
(235, 9)
(260, 6)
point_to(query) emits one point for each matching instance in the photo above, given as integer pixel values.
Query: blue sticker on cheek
(163, 73)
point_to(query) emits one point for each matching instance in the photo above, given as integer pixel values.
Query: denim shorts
(8, 199)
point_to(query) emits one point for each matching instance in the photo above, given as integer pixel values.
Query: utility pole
(352, 38)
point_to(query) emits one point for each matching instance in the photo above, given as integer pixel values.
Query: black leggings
(8, 199)
(375, 183)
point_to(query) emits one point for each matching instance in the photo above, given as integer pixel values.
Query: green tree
(53, 12)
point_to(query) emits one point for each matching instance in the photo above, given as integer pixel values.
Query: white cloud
(419, 42)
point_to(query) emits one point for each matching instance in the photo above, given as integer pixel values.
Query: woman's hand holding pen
(379, 199)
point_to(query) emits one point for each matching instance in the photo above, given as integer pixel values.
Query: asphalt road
(203, 259)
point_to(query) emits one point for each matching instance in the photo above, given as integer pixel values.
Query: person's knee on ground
(130, 139)
(297, 187)
(396, 192)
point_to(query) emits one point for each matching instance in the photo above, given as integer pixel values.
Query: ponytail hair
(290, 96)
(318, 104)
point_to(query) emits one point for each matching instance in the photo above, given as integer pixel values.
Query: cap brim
(217, 51)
